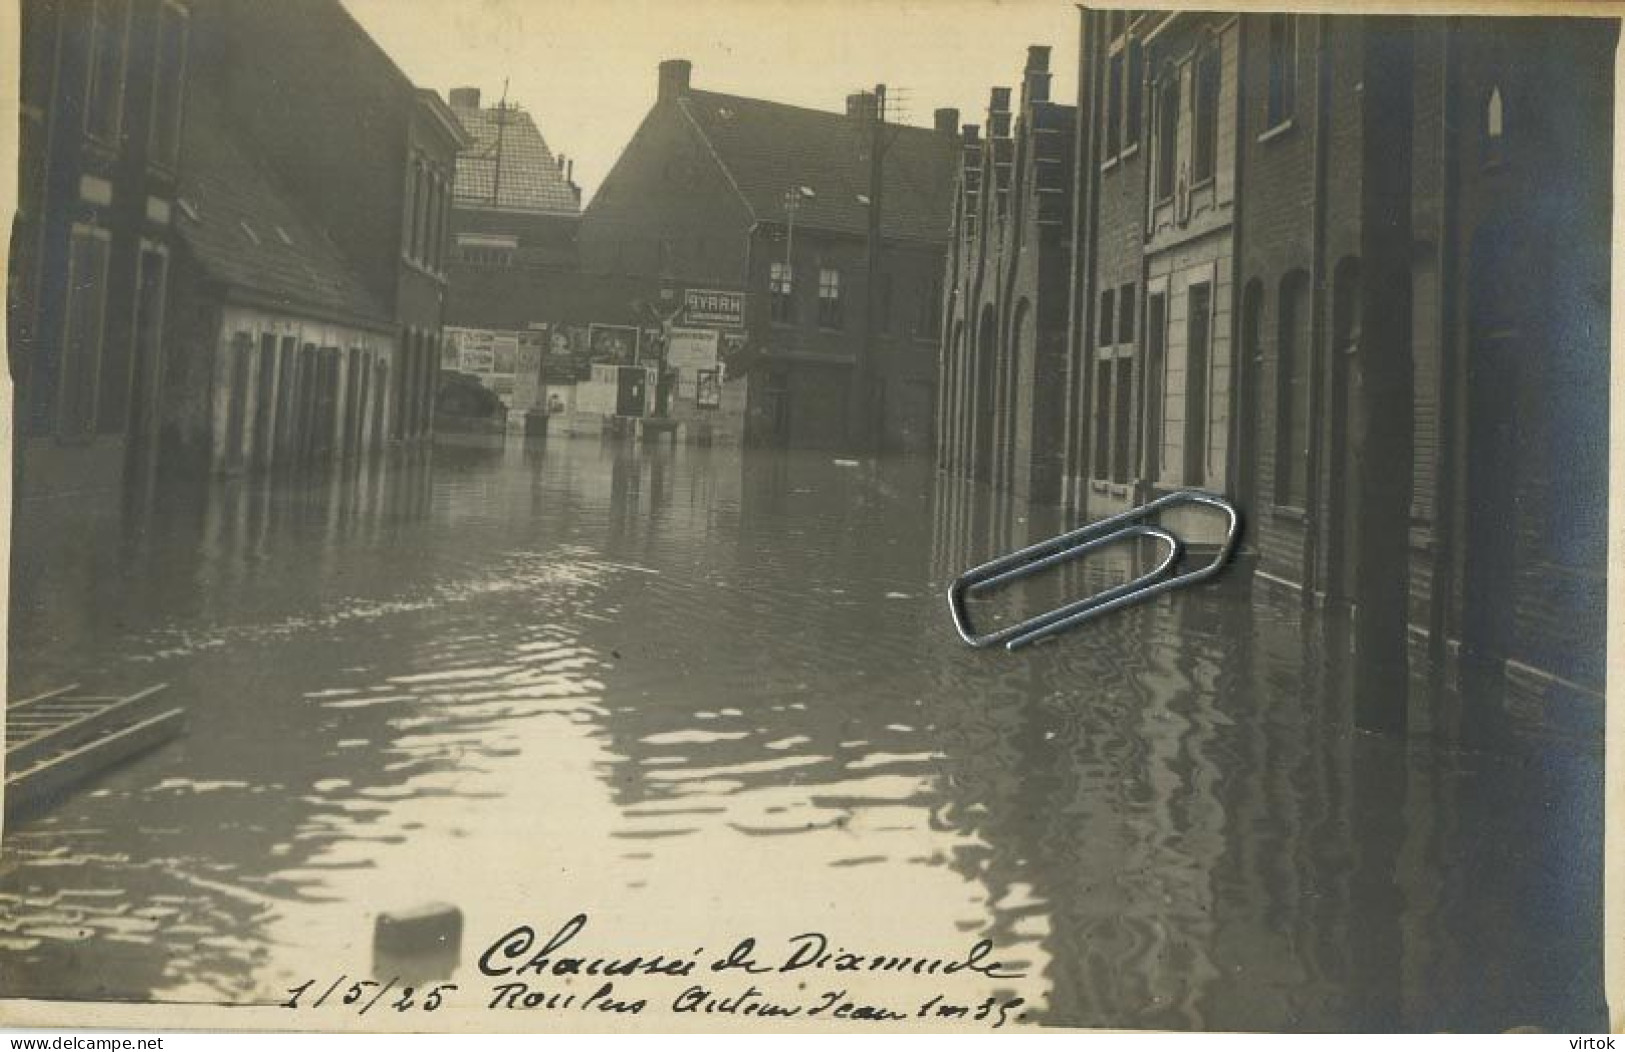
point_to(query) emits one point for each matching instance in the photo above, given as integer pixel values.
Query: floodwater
(704, 695)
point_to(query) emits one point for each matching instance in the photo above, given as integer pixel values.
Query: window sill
(1129, 151)
(1108, 164)
(1289, 513)
(1279, 129)
(1205, 183)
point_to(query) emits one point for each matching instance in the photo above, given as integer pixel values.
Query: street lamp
(792, 205)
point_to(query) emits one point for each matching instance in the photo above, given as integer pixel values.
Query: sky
(586, 69)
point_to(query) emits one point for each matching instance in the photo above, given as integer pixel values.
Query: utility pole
(502, 114)
(870, 429)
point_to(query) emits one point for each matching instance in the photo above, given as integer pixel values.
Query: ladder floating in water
(64, 736)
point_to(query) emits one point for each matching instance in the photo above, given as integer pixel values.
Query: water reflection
(536, 680)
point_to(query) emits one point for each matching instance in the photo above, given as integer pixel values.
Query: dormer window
(1493, 144)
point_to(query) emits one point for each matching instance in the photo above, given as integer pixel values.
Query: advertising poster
(692, 350)
(613, 344)
(527, 376)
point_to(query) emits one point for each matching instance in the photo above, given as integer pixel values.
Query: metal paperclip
(1074, 545)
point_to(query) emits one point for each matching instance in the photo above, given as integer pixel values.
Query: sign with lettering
(713, 307)
(691, 350)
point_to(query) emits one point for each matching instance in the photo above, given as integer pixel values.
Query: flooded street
(708, 694)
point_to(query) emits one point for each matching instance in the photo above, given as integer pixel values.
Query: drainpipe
(1083, 262)
(1315, 465)
(1444, 479)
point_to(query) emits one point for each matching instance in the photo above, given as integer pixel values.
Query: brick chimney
(464, 98)
(674, 77)
(1036, 77)
(998, 114)
(946, 120)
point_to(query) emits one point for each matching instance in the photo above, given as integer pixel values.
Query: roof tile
(771, 147)
(530, 179)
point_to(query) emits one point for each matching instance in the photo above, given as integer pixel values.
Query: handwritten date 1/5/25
(362, 994)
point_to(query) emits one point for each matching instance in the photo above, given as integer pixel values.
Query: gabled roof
(250, 236)
(768, 148)
(530, 178)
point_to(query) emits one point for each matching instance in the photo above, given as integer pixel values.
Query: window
(829, 298)
(1492, 141)
(82, 335)
(1198, 332)
(420, 211)
(781, 294)
(1283, 56)
(489, 257)
(104, 97)
(1103, 415)
(1125, 313)
(164, 133)
(1156, 330)
(1107, 328)
(1134, 93)
(1292, 394)
(1122, 410)
(1205, 150)
(1167, 134)
(151, 280)
(1114, 106)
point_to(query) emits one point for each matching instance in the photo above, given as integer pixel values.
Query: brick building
(1007, 308)
(1353, 272)
(772, 203)
(308, 302)
(101, 103)
(1423, 206)
(514, 202)
(515, 216)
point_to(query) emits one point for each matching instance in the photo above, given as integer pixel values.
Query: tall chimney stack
(998, 114)
(946, 120)
(674, 78)
(1036, 77)
(464, 98)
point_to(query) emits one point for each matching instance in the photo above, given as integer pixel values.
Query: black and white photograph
(954, 517)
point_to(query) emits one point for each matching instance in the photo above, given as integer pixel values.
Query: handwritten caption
(808, 976)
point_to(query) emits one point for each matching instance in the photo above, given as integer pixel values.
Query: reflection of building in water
(1246, 314)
